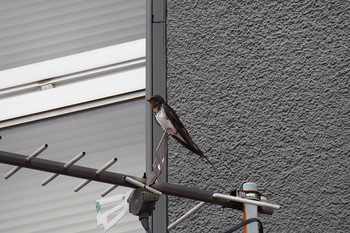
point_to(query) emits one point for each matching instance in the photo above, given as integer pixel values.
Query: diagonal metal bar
(98, 172)
(119, 179)
(160, 154)
(142, 185)
(187, 215)
(67, 165)
(28, 159)
(246, 201)
(108, 190)
(159, 160)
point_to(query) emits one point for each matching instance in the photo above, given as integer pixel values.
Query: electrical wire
(246, 222)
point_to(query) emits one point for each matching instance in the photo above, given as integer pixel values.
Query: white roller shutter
(37, 30)
(103, 133)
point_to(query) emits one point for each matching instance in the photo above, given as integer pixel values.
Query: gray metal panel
(105, 132)
(32, 31)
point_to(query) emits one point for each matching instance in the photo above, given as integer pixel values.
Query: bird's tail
(189, 144)
(211, 163)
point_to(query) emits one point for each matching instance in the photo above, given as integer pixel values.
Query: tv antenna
(146, 190)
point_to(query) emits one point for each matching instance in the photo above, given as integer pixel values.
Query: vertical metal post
(250, 211)
(156, 84)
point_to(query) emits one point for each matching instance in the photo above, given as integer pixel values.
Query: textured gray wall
(264, 87)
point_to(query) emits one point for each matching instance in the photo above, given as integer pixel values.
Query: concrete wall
(263, 87)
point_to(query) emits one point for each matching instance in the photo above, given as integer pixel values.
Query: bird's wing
(185, 138)
(188, 146)
(195, 150)
(173, 117)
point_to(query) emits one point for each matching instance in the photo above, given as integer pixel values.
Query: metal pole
(187, 215)
(28, 159)
(142, 185)
(119, 179)
(67, 165)
(98, 172)
(246, 201)
(249, 210)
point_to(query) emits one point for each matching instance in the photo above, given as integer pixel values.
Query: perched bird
(167, 118)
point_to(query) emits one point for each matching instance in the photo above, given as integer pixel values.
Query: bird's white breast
(164, 121)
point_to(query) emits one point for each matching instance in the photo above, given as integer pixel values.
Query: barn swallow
(167, 118)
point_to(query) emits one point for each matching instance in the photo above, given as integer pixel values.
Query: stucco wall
(263, 87)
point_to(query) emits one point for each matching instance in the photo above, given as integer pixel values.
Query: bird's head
(155, 100)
